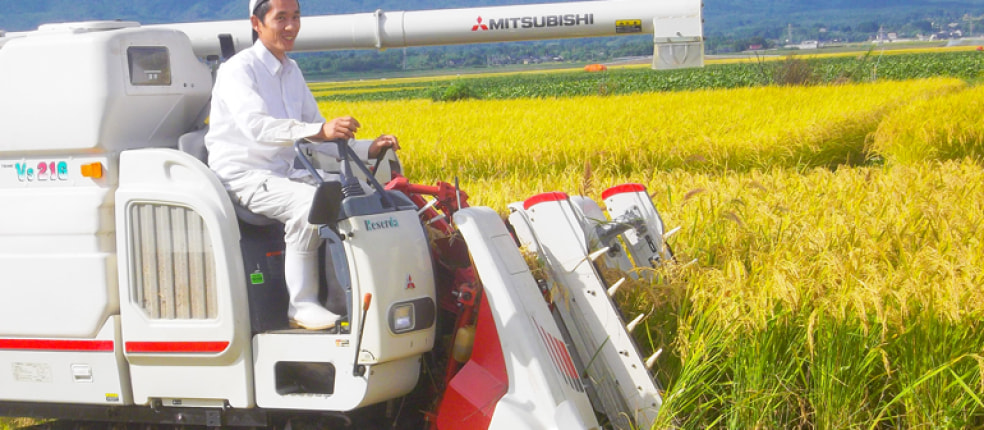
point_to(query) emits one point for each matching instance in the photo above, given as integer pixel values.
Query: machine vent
(172, 262)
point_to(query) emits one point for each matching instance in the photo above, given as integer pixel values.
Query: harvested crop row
(942, 128)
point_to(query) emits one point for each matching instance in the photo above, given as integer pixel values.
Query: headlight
(401, 318)
(412, 315)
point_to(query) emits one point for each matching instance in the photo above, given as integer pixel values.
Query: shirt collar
(270, 61)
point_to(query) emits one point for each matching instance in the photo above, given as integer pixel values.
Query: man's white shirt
(260, 107)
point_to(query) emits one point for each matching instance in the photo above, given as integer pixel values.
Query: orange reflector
(92, 170)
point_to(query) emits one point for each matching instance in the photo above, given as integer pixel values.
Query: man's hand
(384, 141)
(343, 127)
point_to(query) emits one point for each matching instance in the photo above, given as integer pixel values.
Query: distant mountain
(735, 15)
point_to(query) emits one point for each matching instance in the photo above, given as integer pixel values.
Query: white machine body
(80, 100)
(107, 90)
(405, 326)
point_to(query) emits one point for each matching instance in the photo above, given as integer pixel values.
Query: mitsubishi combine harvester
(134, 291)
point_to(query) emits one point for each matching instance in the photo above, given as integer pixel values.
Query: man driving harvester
(260, 106)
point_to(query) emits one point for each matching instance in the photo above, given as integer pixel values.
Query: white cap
(252, 6)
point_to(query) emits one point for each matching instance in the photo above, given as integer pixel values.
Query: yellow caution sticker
(628, 26)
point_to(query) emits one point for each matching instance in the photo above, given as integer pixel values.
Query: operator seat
(193, 143)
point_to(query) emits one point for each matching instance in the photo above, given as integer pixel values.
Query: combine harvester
(134, 291)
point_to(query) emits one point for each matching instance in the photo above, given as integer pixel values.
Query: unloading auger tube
(676, 26)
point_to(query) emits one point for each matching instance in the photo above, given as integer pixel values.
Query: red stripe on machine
(57, 345)
(561, 358)
(565, 358)
(177, 347)
(620, 189)
(554, 354)
(543, 198)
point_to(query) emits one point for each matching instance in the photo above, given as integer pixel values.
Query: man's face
(279, 27)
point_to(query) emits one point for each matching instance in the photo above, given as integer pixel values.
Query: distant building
(806, 44)
(886, 37)
(809, 44)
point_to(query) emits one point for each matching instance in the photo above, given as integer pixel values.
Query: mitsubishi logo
(534, 22)
(479, 25)
(410, 284)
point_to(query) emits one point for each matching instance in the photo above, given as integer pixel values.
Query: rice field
(830, 262)
(833, 235)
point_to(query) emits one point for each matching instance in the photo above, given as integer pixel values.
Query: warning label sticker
(32, 372)
(628, 26)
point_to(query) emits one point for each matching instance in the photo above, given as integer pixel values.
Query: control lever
(356, 369)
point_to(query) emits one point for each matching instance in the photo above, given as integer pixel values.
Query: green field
(865, 66)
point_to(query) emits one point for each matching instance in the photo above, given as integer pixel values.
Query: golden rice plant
(504, 143)
(941, 128)
(859, 242)
(830, 299)
(15, 423)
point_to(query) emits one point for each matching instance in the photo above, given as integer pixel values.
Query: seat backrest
(193, 143)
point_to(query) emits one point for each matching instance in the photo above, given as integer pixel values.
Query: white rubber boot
(304, 311)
